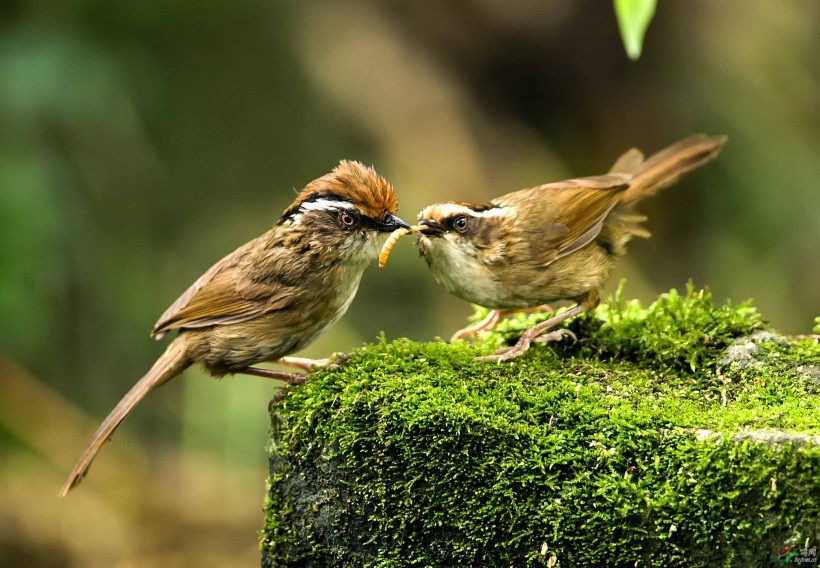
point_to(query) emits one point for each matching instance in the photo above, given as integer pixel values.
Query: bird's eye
(347, 220)
(460, 223)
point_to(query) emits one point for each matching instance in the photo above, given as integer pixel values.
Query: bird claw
(508, 353)
(337, 360)
(303, 363)
(497, 357)
(493, 319)
(310, 365)
(556, 335)
(280, 394)
(504, 354)
(814, 336)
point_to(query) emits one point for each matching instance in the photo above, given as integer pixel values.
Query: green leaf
(633, 19)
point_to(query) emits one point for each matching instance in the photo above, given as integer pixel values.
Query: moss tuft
(622, 447)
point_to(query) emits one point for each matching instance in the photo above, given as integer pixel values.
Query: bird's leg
(492, 320)
(589, 301)
(586, 302)
(533, 333)
(308, 365)
(299, 362)
(290, 378)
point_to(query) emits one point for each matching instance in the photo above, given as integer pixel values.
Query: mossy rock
(682, 434)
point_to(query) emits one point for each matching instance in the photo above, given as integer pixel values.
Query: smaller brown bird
(273, 295)
(551, 242)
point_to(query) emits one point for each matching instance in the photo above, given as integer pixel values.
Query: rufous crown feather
(356, 183)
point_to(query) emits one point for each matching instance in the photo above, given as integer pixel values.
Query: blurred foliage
(633, 19)
(140, 142)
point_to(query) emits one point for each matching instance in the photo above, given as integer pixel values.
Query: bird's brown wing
(568, 214)
(223, 295)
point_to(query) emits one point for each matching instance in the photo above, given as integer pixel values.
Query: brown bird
(273, 295)
(551, 242)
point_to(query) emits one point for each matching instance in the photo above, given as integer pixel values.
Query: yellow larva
(393, 239)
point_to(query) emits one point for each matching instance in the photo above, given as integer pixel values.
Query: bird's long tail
(169, 365)
(665, 167)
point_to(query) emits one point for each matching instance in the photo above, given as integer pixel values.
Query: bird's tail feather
(648, 177)
(667, 166)
(169, 365)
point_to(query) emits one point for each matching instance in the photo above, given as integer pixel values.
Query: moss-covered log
(682, 434)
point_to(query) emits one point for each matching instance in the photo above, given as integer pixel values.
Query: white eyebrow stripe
(448, 210)
(492, 212)
(326, 205)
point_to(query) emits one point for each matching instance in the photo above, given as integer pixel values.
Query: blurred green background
(142, 141)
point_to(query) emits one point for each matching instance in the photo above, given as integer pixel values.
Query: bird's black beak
(391, 223)
(432, 228)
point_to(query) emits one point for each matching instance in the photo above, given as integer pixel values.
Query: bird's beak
(391, 223)
(431, 228)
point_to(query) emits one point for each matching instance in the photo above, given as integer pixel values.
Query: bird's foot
(536, 334)
(278, 395)
(814, 336)
(508, 353)
(307, 364)
(290, 378)
(303, 363)
(556, 335)
(310, 365)
(493, 319)
(338, 359)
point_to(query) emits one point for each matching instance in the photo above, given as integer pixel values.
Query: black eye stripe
(322, 204)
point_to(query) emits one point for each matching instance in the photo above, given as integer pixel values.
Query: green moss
(414, 454)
